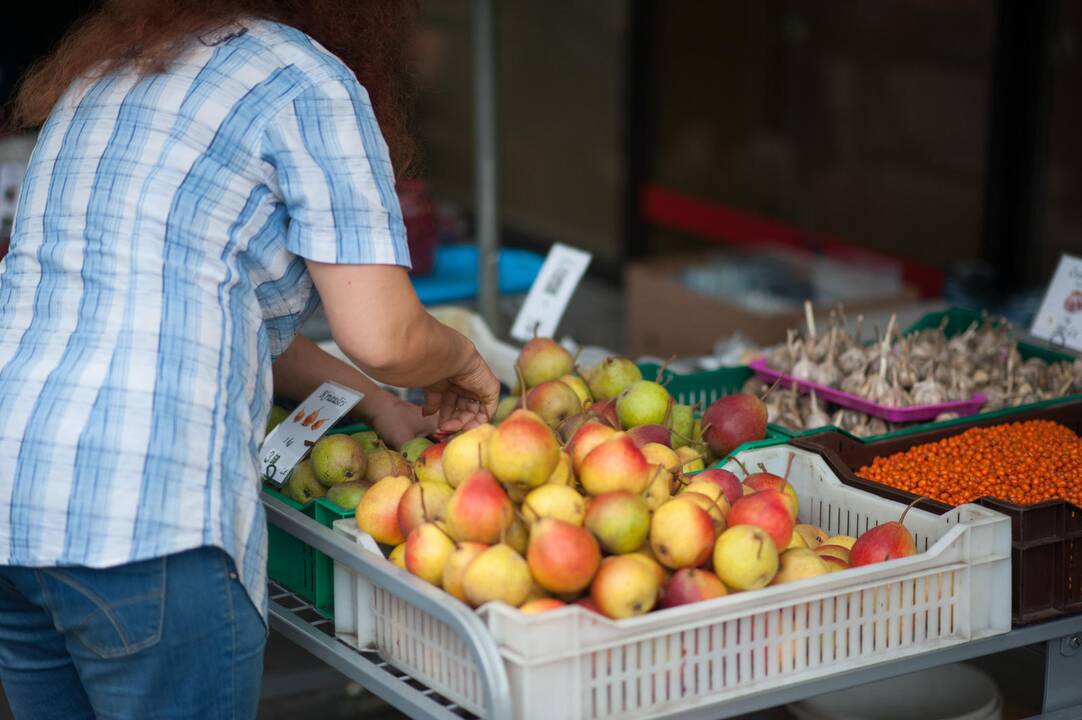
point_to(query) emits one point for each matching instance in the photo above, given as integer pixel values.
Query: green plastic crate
(703, 388)
(958, 320)
(297, 565)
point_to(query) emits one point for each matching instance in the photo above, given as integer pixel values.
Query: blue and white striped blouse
(155, 269)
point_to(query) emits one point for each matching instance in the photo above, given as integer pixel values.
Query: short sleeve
(328, 163)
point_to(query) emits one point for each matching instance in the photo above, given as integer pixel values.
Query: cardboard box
(664, 316)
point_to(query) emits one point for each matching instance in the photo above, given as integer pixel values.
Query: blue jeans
(173, 637)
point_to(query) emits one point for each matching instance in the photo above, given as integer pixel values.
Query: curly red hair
(371, 36)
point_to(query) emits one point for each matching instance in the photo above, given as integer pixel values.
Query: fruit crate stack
(572, 662)
(1046, 535)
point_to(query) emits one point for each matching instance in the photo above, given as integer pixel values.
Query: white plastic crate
(571, 663)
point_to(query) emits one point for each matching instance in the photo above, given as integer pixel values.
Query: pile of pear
(591, 489)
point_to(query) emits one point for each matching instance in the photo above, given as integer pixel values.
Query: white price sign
(550, 292)
(1060, 318)
(290, 441)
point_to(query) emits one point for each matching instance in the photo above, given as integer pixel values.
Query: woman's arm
(304, 366)
(378, 322)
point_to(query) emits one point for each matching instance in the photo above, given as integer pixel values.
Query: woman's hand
(466, 399)
(397, 421)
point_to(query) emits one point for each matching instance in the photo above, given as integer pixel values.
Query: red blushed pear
(523, 450)
(605, 411)
(423, 502)
(588, 603)
(769, 481)
(479, 510)
(615, 464)
(562, 557)
(691, 585)
(733, 420)
(543, 359)
(888, 541)
(554, 401)
(727, 481)
(427, 551)
(644, 434)
(429, 466)
(588, 437)
(766, 509)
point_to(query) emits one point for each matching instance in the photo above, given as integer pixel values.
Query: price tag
(1060, 318)
(550, 292)
(290, 441)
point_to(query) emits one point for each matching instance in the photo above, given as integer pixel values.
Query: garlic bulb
(815, 417)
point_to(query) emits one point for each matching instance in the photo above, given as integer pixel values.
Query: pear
(624, 587)
(398, 555)
(517, 535)
(888, 541)
(412, 449)
(302, 485)
(562, 557)
(429, 465)
(423, 502)
(507, 406)
(798, 564)
(578, 385)
(368, 440)
(589, 435)
(615, 464)
(542, 359)
(497, 574)
(611, 377)
(556, 501)
(478, 510)
(733, 420)
(337, 459)
(562, 474)
(455, 568)
(377, 512)
(659, 489)
(554, 402)
(465, 453)
(386, 463)
(846, 541)
(745, 558)
(644, 402)
(619, 520)
(347, 495)
(691, 585)
(691, 459)
(768, 509)
(681, 425)
(427, 551)
(714, 508)
(523, 450)
(813, 537)
(681, 534)
(540, 605)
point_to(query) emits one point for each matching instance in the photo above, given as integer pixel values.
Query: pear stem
(742, 466)
(901, 520)
(522, 386)
(668, 413)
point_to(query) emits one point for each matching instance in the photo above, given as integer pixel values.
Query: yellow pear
(523, 450)
(745, 558)
(377, 512)
(427, 550)
(659, 489)
(557, 501)
(812, 536)
(497, 574)
(846, 541)
(465, 453)
(579, 386)
(690, 459)
(455, 567)
(562, 475)
(398, 555)
(798, 564)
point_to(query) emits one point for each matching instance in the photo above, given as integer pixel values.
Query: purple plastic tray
(854, 402)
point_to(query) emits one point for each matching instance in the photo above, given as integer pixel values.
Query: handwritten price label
(290, 441)
(551, 291)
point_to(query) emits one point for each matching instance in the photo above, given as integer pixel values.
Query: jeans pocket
(113, 612)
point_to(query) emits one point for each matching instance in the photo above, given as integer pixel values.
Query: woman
(209, 171)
